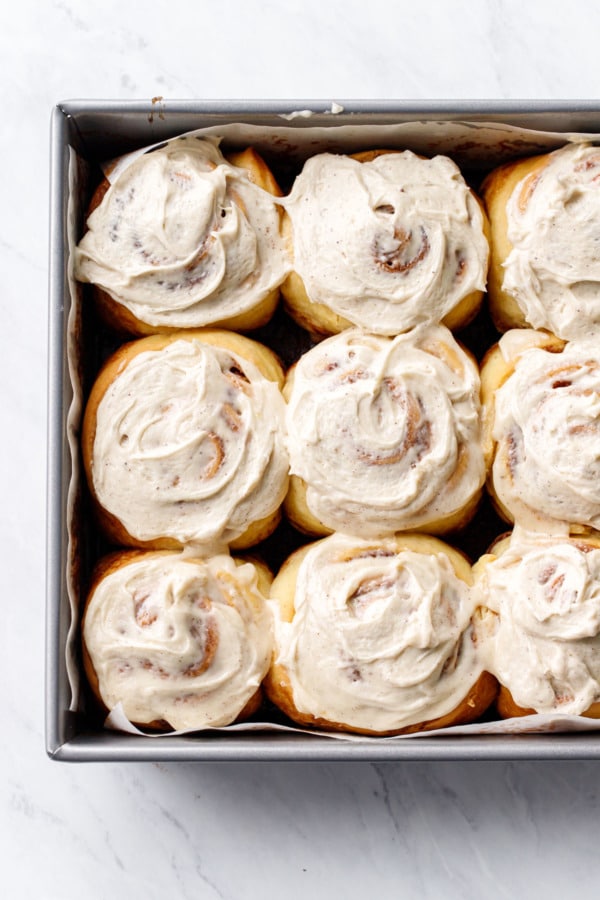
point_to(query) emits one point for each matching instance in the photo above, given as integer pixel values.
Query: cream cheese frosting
(547, 425)
(400, 239)
(553, 270)
(181, 640)
(184, 239)
(189, 445)
(545, 647)
(381, 635)
(385, 432)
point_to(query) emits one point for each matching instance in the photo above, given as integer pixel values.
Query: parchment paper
(474, 146)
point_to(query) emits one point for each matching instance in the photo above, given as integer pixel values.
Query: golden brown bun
(495, 371)
(507, 708)
(262, 357)
(257, 169)
(122, 320)
(115, 561)
(496, 191)
(505, 704)
(477, 699)
(321, 321)
(303, 519)
(298, 513)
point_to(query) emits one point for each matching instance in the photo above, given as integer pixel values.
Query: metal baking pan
(83, 133)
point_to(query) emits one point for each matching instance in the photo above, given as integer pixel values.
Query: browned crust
(477, 699)
(507, 708)
(121, 320)
(321, 321)
(118, 560)
(265, 360)
(118, 317)
(257, 169)
(496, 190)
(98, 196)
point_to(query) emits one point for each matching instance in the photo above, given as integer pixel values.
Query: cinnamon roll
(183, 441)
(542, 414)
(401, 241)
(384, 434)
(377, 637)
(181, 643)
(544, 630)
(184, 238)
(544, 215)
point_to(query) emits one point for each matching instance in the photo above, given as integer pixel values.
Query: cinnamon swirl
(183, 441)
(384, 434)
(401, 241)
(377, 637)
(542, 414)
(181, 643)
(544, 636)
(545, 268)
(185, 238)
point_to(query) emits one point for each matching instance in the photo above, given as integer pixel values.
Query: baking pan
(84, 133)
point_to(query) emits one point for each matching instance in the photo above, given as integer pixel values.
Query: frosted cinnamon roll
(181, 643)
(377, 637)
(183, 441)
(184, 238)
(384, 434)
(545, 268)
(542, 413)
(544, 637)
(401, 240)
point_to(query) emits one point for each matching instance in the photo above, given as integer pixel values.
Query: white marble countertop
(496, 829)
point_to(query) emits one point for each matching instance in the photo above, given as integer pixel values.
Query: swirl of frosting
(545, 647)
(390, 628)
(553, 270)
(547, 425)
(385, 432)
(400, 239)
(180, 640)
(189, 444)
(184, 239)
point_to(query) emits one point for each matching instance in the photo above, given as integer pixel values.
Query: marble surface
(498, 829)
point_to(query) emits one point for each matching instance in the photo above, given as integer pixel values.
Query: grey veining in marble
(246, 830)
